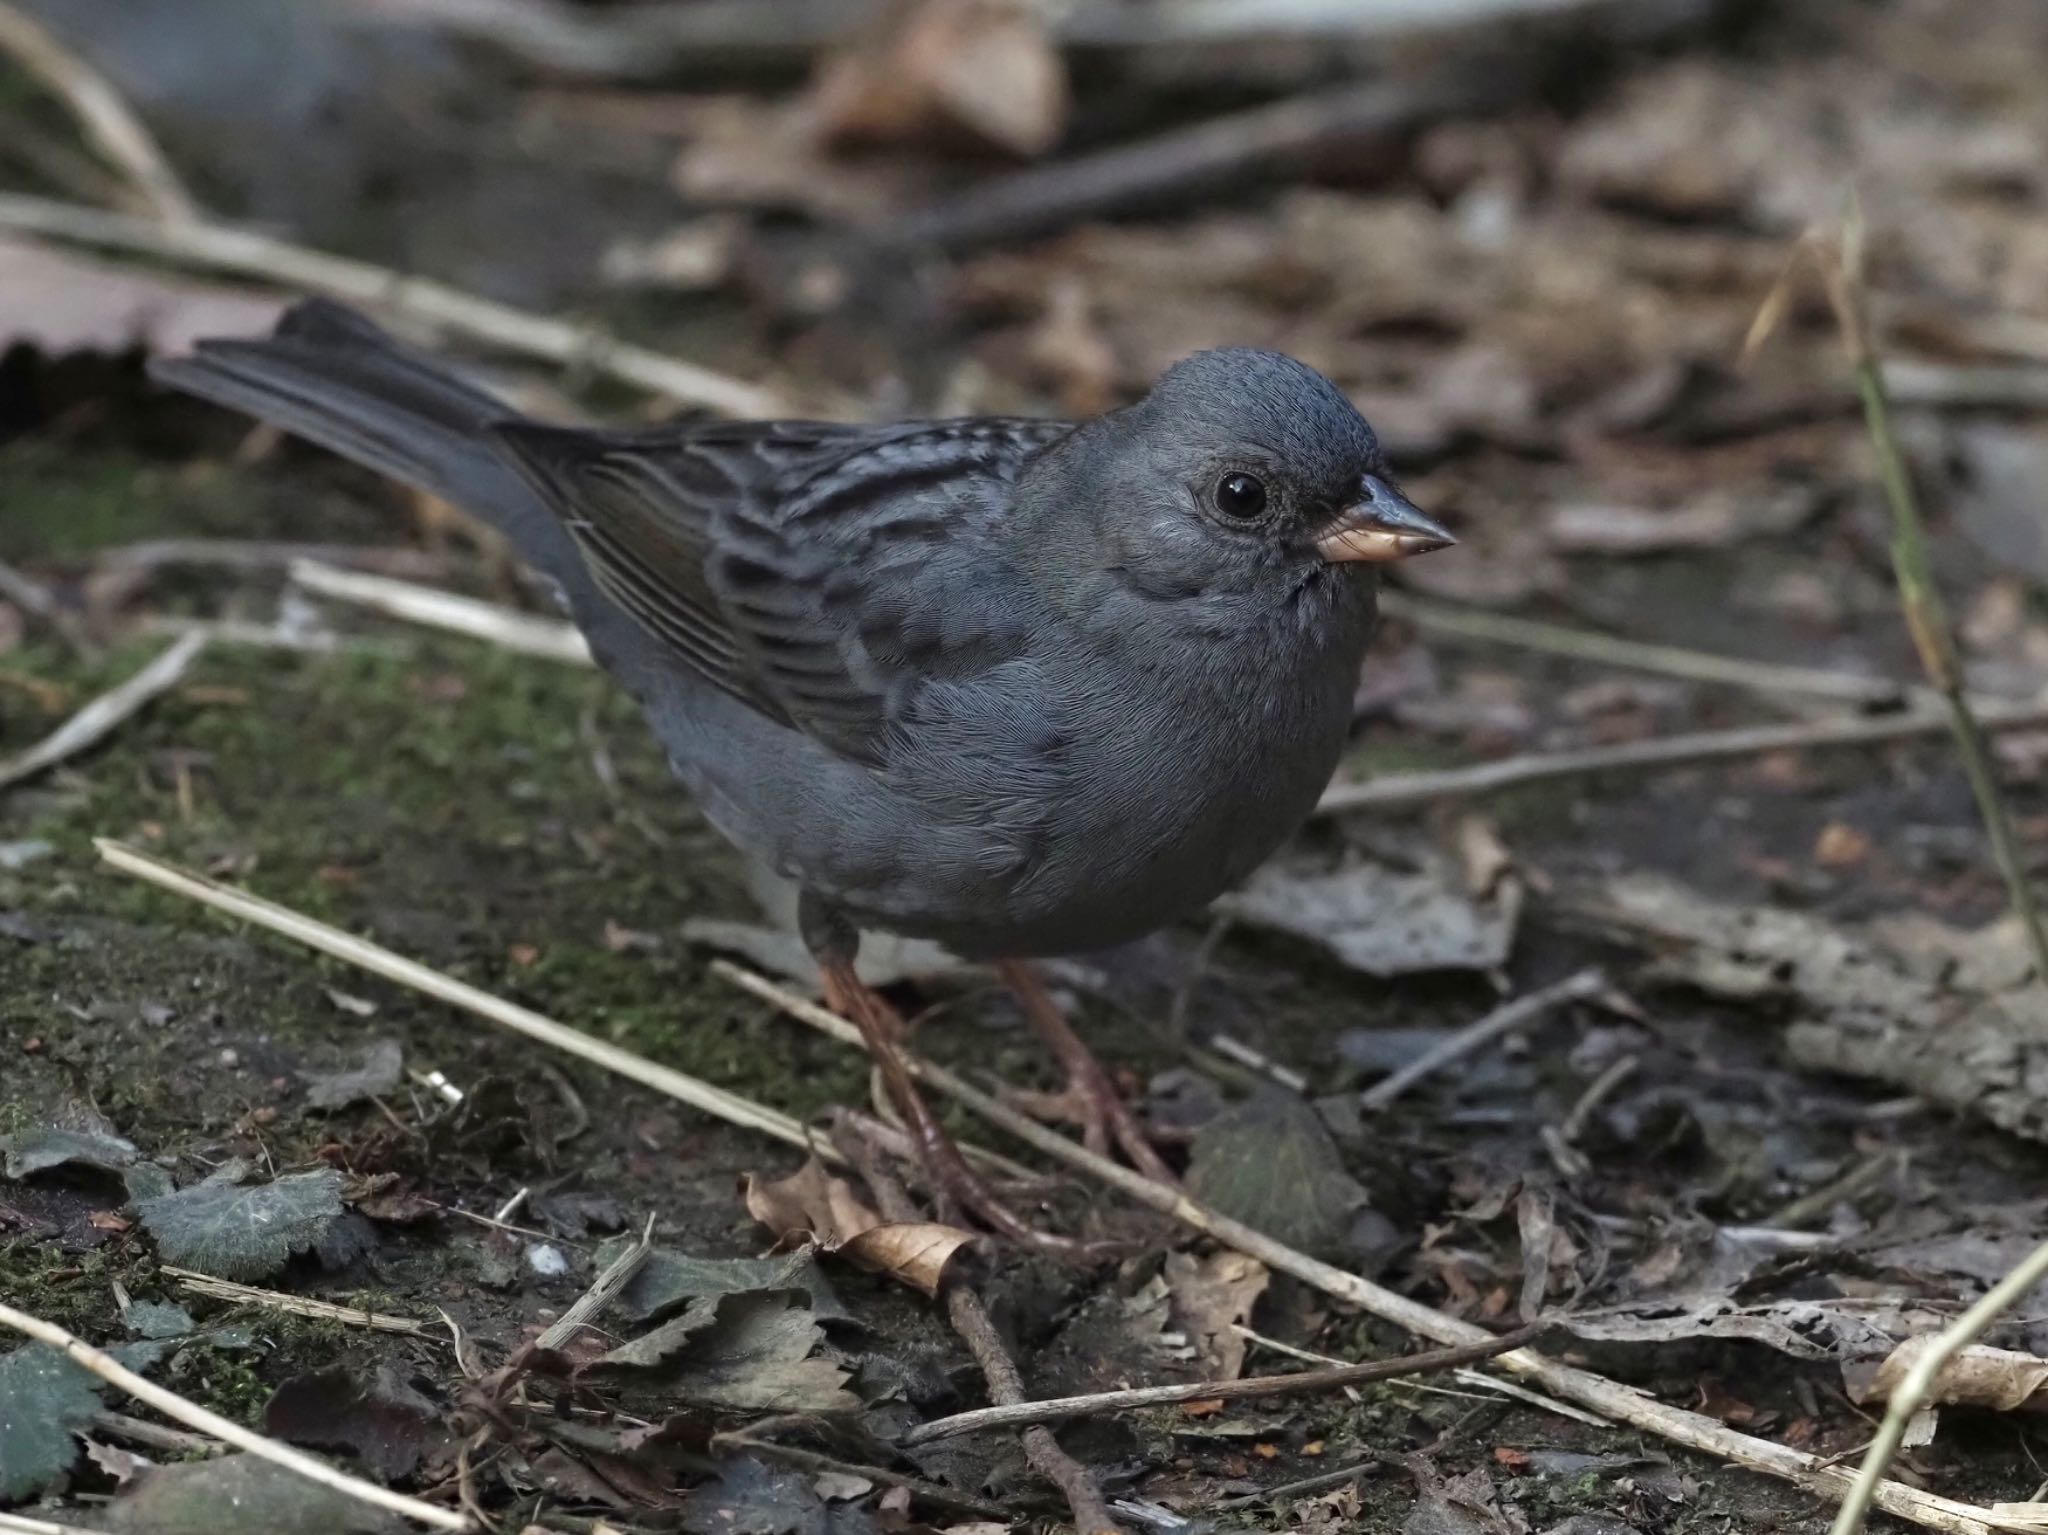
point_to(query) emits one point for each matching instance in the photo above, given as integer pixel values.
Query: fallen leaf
(232, 1232)
(44, 1400)
(1270, 1163)
(239, 1495)
(666, 1279)
(387, 1423)
(29, 1152)
(747, 1353)
(60, 302)
(1996, 1379)
(375, 1072)
(813, 1204)
(1211, 1298)
(749, 1498)
(158, 1319)
(1381, 920)
(983, 70)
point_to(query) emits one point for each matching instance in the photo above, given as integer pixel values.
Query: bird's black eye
(1241, 495)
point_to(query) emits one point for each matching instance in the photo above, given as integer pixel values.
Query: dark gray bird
(1020, 686)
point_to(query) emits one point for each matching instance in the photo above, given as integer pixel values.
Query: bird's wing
(801, 567)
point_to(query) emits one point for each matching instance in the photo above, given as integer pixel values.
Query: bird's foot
(881, 1027)
(1090, 1099)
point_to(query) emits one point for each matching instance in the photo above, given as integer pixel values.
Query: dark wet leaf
(667, 1279)
(239, 1495)
(233, 1232)
(33, 1151)
(44, 1400)
(1464, 1505)
(749, 1498)
(1270, 1163)
(158, 1319)
(377, 1070)
(385, 1421)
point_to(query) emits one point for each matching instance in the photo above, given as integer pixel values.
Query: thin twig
(1841, 265)
(1504, 1019)
(1096, 1404)
(969, 1316)
(115, 131)
(1322, 1481)
(1620, 1403)
(119, 1425)
(369, 956)
(1401, 791)
(250, 253)
(192, 1415)
(551, 639)
(1814, 1203)
(602, 1292)
(1638, 655)
(296, 1305)
(1911, 1392)
(98, 719)
(1597, 1092)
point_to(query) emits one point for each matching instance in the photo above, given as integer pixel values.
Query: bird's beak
(1381, 525)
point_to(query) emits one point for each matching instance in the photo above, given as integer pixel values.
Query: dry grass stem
(1841, 268)
(1402, 791)
(101, 111)
(552, 639)
(250, 253)
(1098, 1403)
(1504, 1019)
(699, 1094)
(192, 1415)
(296, 1305)
(98, 719)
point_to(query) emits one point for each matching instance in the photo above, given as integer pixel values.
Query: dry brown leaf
(809, 1203)
(1997, 1379)
(981, 70)
(1211, 1297)
(813, 1205)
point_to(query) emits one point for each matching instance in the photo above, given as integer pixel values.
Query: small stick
(1814, 1203)
(119, 1425)
(520, 1020)
(602, 1292)
(1912, 1391)
(1321, 1481)
(1620, 1403)
(1504, 1019)
(250, 253)
(1400, 791)
(969, 1316)
(98, 719)
(115, 131)
(296, 1305)
(192, 1415)
(1305, 1382)
(551, 639)
(1639, 655)
(1597, 1092)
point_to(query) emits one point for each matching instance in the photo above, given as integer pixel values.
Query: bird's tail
(335, 378)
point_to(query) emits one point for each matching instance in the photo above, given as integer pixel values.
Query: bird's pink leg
(1090, 1097)
(881, 1029)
